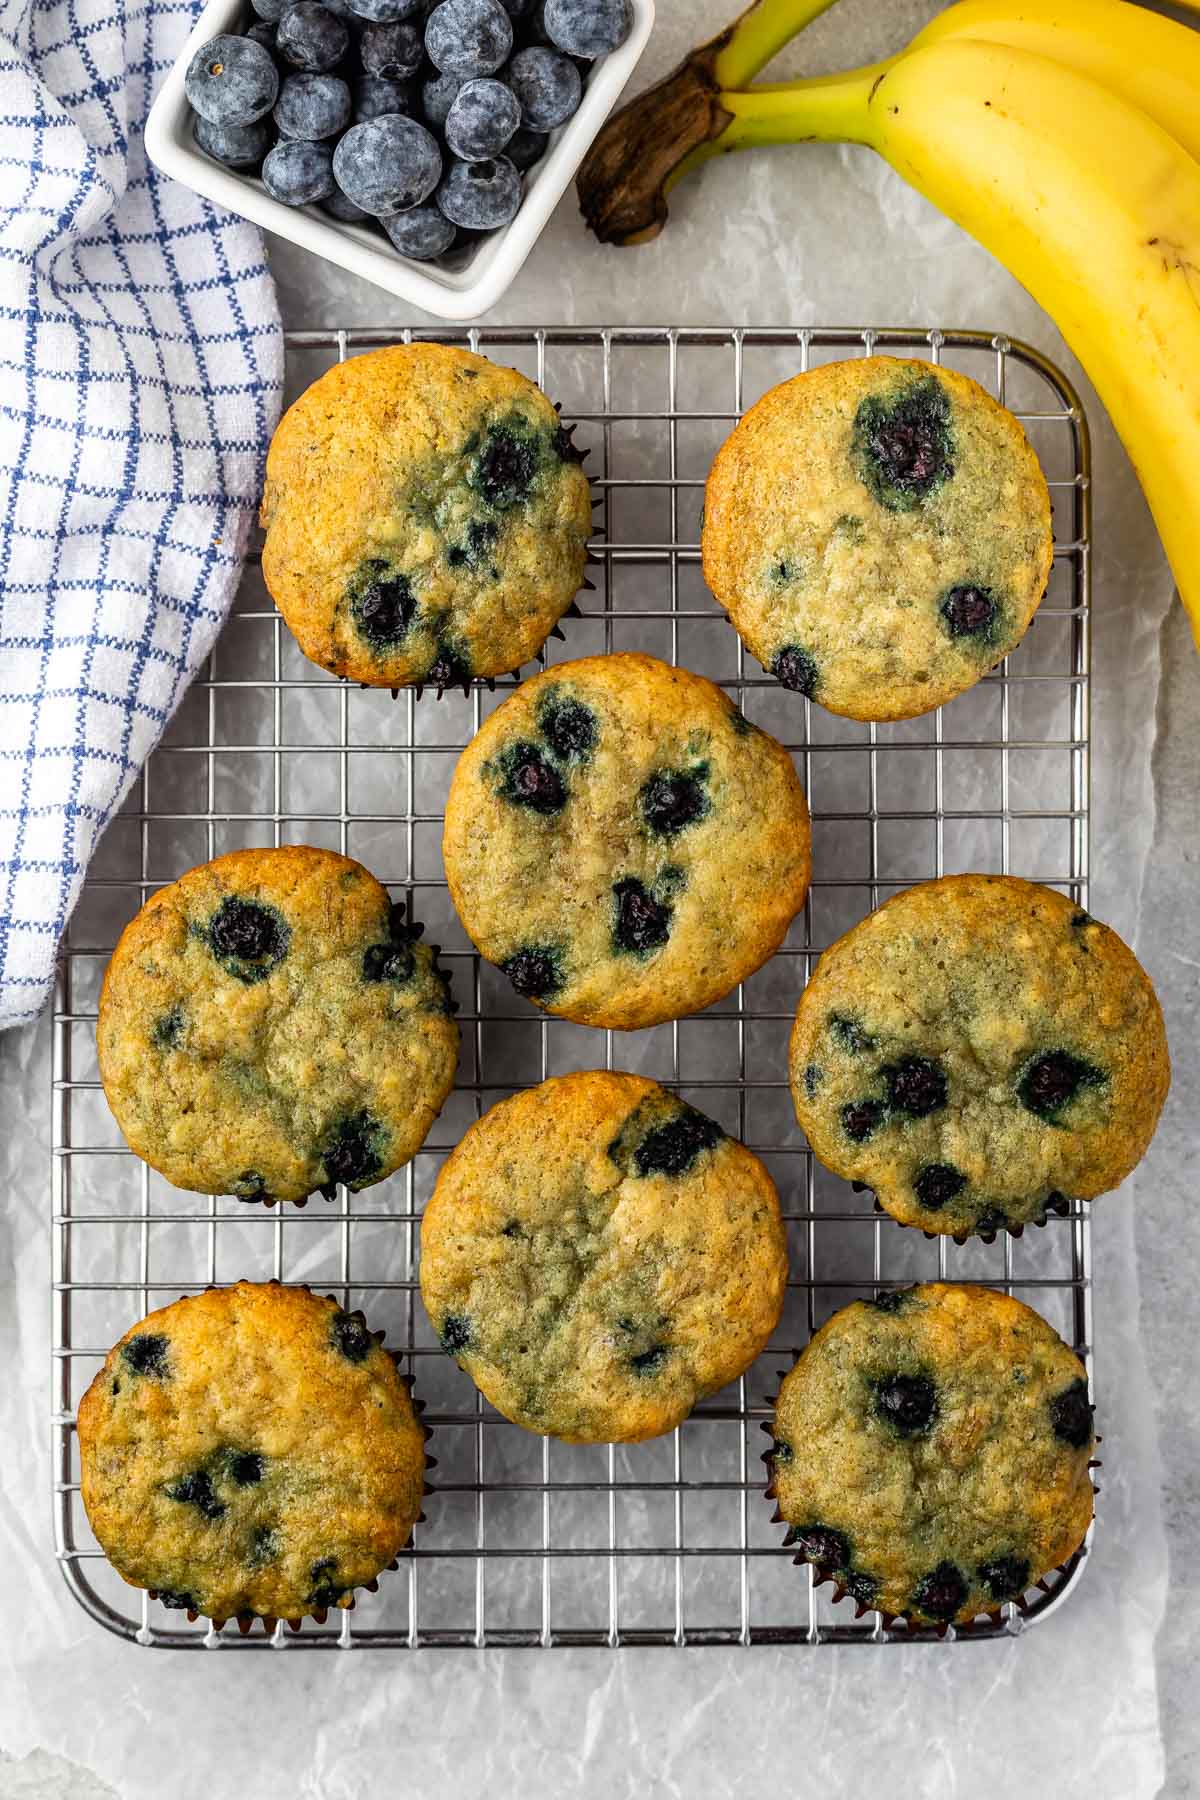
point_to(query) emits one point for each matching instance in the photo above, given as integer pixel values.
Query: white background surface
(810, 235)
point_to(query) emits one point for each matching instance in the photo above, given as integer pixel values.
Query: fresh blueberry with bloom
(396, 51)
(231, 81)
(338, 207)
(437, 97)
(481, 196)
(422, 233)
(548, 86)
(310, 37)
(482, 119)
(524, 148)
(387, 165)
(588, 28)
(375, 95)
(385, 12)
(237, 146)
(468, 37)
(297, 172)
(312, 107)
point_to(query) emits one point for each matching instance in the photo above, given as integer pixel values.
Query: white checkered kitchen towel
(140, 375)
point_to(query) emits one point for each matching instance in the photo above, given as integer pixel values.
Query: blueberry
(351, 1152)
(387, 165)
(860, 1118)
(518, 9)
(781, 1451)
(350, 1337)
(271, 9)
(449, 668)
(548, 86)
(387, 12)
(262, 32)
(327, 1591)
(822, 1545)
(941, 1593)
(530, 780)
(535, 971)
(231, 81)
(393, 963)
(481, 533)
(1051, 1082)
(916, 1086)
(297, 172)
(312, 107)
(249, 1185)
(197, 1490)
(525, 147)
(1071, 1415)
(422, 233)
(903, 446)
(375, 96)
(990, 1221)
(796, 670)
(937, 1184)
(263, 1547)
(437, 97)
(849, 1034)
(146, 1354)
(860, 1587)
(1057, 1203)
(455, 1334)
(176, 1600)
(568, 726)
(394, 50)
(969, 612)
(906, 1402)
(248, 940)
(671, 1149)
(480, 196)
(646, 1361)
(338, 207)
(245, 1467)
(1080, 919)
(813, 1076)
(483, 116)
(892, 1300)
(468, 37)
(167, 1031)
(588, 28)
(672, 800)
(640, 922)
(237, 146)
(311, 37)
(382, 605)
(504, 470)
(1004, 1577)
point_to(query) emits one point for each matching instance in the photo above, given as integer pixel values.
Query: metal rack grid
(528, 1541)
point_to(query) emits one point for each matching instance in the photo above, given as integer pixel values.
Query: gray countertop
(810, 235)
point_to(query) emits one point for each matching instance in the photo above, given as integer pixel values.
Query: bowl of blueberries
(421, 144)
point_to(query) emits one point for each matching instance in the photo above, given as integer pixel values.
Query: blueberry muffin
(269, 1025)
(598, 1257)
(879, 533)
(979, 1052)
(251, 1451)
(623, 843)
(426, 516)
(931, 1452)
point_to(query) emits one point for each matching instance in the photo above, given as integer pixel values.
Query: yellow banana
(1150, 61)
(1095, 209)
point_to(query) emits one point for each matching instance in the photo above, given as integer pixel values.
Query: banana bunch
(1063, 134)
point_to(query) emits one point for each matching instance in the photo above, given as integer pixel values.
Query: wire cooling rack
(528, 1541)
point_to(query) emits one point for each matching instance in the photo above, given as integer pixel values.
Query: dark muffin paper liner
(246, 1621)
(913, 1625)
(1059, 1209)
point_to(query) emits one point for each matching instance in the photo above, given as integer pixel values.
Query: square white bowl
(449, 293)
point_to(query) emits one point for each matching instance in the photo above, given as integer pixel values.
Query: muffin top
(879, 533)
(251, 1450)
(931, 1451)
(426, 516)
(269, 1025)
(598, 1256)
(978, 1051)
(624, 843)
